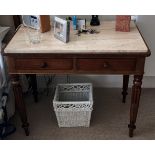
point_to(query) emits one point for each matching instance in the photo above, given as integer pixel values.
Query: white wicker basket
(73, 104)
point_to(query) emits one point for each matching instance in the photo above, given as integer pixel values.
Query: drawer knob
(105, 65)
(44, 65)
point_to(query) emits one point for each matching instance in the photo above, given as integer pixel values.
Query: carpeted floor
(110, 118)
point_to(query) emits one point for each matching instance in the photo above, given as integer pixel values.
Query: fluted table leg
(135, 98)
(20, 105)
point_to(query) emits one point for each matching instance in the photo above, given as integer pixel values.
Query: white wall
(146, 25)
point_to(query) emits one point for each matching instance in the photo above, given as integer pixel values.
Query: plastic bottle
(74, 22)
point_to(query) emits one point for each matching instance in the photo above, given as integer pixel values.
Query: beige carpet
(110, 118)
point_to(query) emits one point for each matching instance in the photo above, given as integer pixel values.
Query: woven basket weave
(73, 104)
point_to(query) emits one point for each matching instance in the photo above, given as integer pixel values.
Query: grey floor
(110, 118)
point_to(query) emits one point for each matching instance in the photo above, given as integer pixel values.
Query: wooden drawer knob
(105, 65)
(44, 65)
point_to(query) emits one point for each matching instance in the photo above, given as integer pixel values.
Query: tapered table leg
(125, 87)
(19, 102)
(135, 98)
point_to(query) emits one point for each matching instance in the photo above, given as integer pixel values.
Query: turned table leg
(135, 98)
(125, 87)
(19, 102)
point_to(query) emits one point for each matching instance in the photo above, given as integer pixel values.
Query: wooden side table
(108, 52)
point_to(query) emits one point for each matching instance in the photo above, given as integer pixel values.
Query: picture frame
(61, 29)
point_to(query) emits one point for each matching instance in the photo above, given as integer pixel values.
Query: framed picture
(61, 29)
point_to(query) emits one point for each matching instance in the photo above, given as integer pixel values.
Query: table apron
(75, 65)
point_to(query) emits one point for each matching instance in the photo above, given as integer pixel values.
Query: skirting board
(106, 81)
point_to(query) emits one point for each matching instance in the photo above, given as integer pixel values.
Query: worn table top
(106, 41)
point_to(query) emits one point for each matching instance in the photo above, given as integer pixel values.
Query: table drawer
(43, 64)
(107, 64)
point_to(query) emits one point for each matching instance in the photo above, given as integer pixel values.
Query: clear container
(34, 35)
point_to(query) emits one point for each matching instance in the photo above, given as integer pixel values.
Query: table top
(107, 41)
